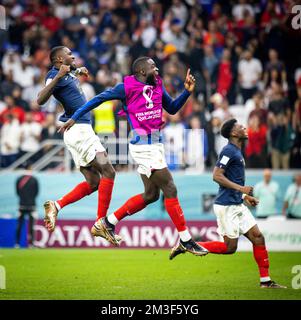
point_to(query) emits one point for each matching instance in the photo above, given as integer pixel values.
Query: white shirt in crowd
(195, 149)
(250, 72)
(30, 133)
(10, 137)
(174, 136)
(239, 9)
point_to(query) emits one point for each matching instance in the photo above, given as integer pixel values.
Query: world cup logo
(148, 94)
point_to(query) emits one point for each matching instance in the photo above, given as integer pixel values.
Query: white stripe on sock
(57, 206)
(265, 279)
(112, 219)
(185, 235)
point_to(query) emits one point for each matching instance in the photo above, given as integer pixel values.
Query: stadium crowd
(244, 54)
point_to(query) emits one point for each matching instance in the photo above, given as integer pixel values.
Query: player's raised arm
(221, 179)
(173, 106)
(189, 83)
(47, 91)
(116, 93)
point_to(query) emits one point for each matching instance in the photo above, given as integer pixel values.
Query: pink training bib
(143, 105)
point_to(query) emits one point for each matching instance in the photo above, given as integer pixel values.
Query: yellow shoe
(50, 215)
(101, 229)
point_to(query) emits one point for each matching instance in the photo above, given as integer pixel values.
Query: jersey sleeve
(224, 159)
(61, 83)
(173, 106)
(116, 93)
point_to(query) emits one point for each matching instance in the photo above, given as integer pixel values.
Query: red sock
(105, 189)
(214, 246)
(175, 212)
(261, 256)
(81, 190)
(132, 206)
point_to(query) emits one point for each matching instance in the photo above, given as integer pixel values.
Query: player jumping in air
(233, 217)
(88, 153)
(144, 98)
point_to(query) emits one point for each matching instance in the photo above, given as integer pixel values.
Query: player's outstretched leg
(262, 259)
(163, 179)
(51, 208)
(217, 247)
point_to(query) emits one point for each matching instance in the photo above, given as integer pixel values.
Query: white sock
(185, 235)
(112, 219)
(57, 206)
(265, 279)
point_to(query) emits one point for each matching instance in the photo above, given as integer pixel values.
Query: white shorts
(233, 220)
(83, 144)
(149, 157)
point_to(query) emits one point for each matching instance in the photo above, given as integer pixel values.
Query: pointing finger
(188, 73)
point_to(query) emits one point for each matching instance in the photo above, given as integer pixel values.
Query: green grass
(139, 274)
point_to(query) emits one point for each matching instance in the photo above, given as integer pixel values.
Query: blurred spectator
(256, 153)
(50, 21)
(30, 136)
(27, 189)
(249, 75)
(179, 11)
(8, 85)
(278, 103)
(50, 127)
(146, 32)
(267, 192)
(225, 74)
(210, 63)
(196, 146)
(12, 108)
(282, 136)
(214, 38)
(10, 140)
(174, 135)
(220, 107)
(24, 74)
(218, 140)
(175, 35)
(240, 8)
(11, 61)
(19, 101)
(275, 71)
(292, 199)
(271, 16)
(256, 105)
(295, 157)
(104, 118)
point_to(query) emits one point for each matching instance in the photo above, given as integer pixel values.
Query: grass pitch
(124, 274)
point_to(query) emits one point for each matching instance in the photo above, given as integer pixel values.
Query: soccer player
(144, 98)
(88, 153)
(233, 217)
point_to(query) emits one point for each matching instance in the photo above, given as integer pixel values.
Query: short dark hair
(53, 53)
(227, 127)
(138, 64)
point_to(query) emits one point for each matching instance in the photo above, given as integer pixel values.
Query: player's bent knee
(259, 239)
(170, 190)
(231, 247)
(93, 185)
(109, 173)
(231, 250)
(151, 197)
